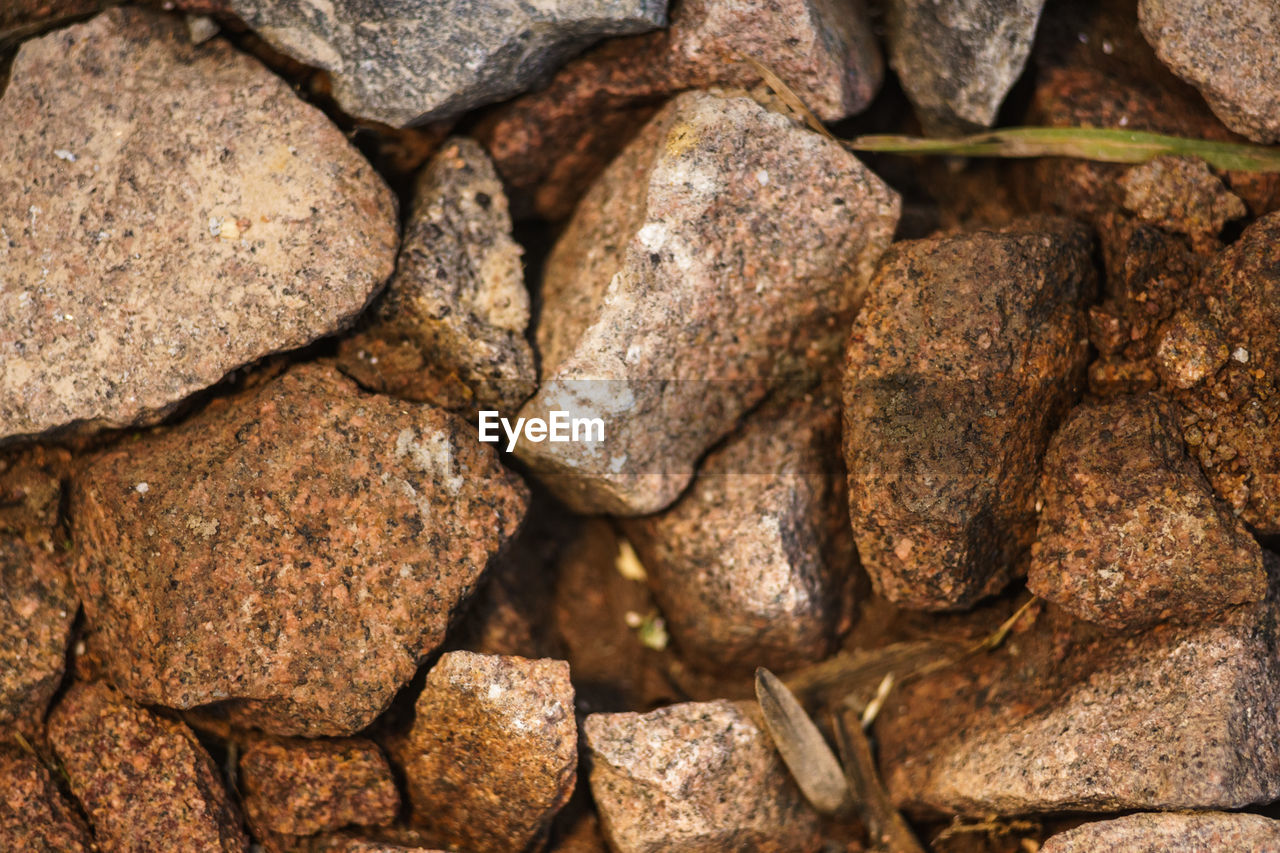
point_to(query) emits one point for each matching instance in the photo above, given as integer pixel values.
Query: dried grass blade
(802, 746)
(788, 96)
(887, 828)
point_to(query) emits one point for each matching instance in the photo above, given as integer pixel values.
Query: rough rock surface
(957, 59)
(550, 145)
(699, 776)
(31, 492)
(141, 265)
(493, 751)
(967, 352)
(1065, 717)
(302, 787)
(457, 307)
(34, 816)
(37, 608)
(406, 61)
(752, 565)
(1226, 50)
(298, 549)
(1180, 194)
(687, 284)
(1172, 832)
(1130, 532)
(144, 781)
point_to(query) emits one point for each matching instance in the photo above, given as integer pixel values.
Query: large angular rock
(967, 352)
(297, 549)
(699, 776)
(34, 816)
(723, 252)
(454, 316)
(405, 61)
(1130, 532)
(167, 214)
(144, 781)
(493, 752)
(957, 59)
(1226, 50)
(1170, 832)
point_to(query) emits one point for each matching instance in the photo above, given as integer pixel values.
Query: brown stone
(298, 549)
(144, 781)
(302, 787)
(493, 751)
(721, 254)
(1171, 832)
(143, 264)
(31, 492)
(967, 352)
(34, 816)
(22, 19)
(1180, 194)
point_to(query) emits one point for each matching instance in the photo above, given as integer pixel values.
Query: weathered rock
(302, 787)
(141, 264)
(31, 492)
(37, 608)
(144, 781)
(687, 284)
(34, 816)
(408, 61)
(457, 304)
(699, 776)
(967, 352)
(493, 751)
(343, 844)
(957, 59)
(1171, 832)
(551, 145)
(298, 549)
(1130, 532)
(1065, 717)
(1180, 194)
(752, 565)
(1227, 51)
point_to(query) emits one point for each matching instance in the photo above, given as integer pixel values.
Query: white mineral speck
(1241, 355)
(142, 488)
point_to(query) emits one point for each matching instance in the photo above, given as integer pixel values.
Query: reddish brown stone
(297, 549)
(22, 19)
(144, 781)
(1180, 194)
(302, 787)
(31, 492)
(1171, 832)
(34, 816)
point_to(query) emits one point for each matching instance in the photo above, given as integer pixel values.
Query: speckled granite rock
(1130, 532)
(551, 145)
(31, 492)
(699, 776)
(144, 781)
(34, 816)
(37, 608)
(1226, 50)
(142, 266)
(687, 284)
(752, 565)
(493, 751)
(1180, 194)
(1065, 717)
(957, 59)
(967, 352)
(457, 304)
(1172, 832)
(302, 787)
(406, 61)
(326, 533)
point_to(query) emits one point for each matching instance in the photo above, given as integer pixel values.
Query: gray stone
(402, 62)
(1171, 832)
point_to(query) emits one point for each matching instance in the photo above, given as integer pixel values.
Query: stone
(144, 780)
(1228, 52)
(142, 265)
(493, 751)
(37, 609)
(31, 492)
(698, 776)
(409, 61)
(294, 551)
(1066, 717)
(751, 567)
(457, 303)
(302, 787)
(968, 351)
(344, 844)
(22, 19)
(1130, 532)
(957, 59)
(34, 816)
(1170, 832)
(1180, 194)
(550, 145)
(687, 285)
